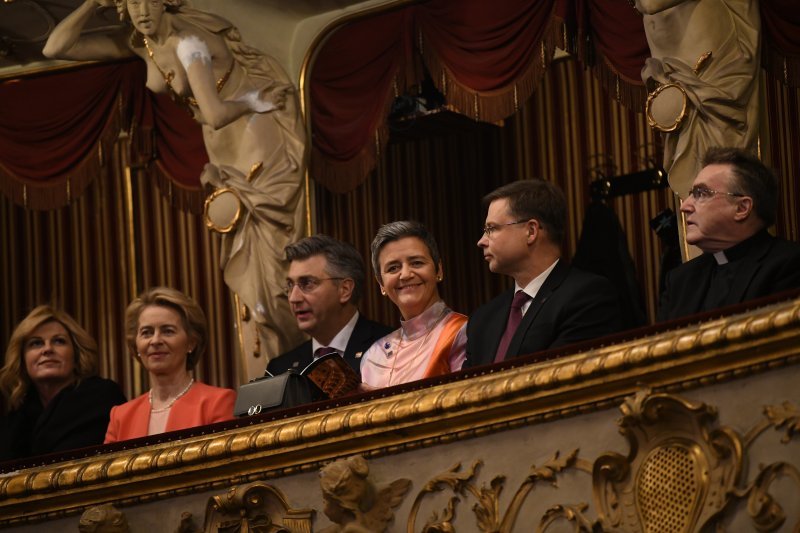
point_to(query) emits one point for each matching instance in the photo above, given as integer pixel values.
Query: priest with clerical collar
(732, 202)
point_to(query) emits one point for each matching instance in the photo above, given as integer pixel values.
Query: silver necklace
(172, 401)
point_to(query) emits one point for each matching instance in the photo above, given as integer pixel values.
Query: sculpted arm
(195, 57)
(66, 41)
(651, 7)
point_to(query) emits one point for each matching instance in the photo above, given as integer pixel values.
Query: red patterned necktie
(514, 318)
(323, 351)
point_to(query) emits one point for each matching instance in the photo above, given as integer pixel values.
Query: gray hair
(397, 230)
(344, 261)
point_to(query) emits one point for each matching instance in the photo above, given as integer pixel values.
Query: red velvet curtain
(360, 72)
(487, 57)
(56, 132)
(50, 130)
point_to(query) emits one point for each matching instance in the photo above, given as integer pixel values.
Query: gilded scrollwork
(765, 510)
(785, 416)
(678, 473)
(353, 502)
(255, 507)
(458, 482)
(682, 473)
(570, 513)
(487, 505)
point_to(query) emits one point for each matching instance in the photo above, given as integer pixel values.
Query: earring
(138, 354)
(439, 277)
(383, 291)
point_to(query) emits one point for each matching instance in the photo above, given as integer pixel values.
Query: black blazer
(571, 306)
(77, 417)
(364, 334)
(768, 266)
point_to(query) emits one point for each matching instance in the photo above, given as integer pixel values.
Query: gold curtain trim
(189, 199)
(630, 93)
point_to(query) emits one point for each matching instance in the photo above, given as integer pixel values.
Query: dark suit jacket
(768, 266)
(571, 306)
(364, 334)
(77, 417)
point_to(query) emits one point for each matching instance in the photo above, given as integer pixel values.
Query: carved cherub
(352, 500)
(103, 519)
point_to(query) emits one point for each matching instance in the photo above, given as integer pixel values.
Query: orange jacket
(202, 405)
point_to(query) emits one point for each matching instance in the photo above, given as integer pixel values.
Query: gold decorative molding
(482, 402)
(682, 474)
(487, 507)
(679, 473)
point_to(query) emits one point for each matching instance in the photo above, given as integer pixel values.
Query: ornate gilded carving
(570, 513)
(785, 416)
(103, 519)
(678, 473)
(764, 509)
(256, 507)
(699, 354)
(487, 507)
(681, 474)
(352, 501)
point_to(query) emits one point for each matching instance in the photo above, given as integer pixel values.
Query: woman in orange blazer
(166, 330)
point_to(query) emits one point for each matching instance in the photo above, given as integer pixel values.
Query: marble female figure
(251, 126)
(705, 61)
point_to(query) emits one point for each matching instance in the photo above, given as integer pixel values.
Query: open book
(332, 375)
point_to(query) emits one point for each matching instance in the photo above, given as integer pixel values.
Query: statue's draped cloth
(723, 95)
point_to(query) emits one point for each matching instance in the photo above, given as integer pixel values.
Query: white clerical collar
(721, 258)
(339, 342)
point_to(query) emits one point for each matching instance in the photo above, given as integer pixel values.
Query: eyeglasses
(700, 193)
(489, 229)
(305, 284)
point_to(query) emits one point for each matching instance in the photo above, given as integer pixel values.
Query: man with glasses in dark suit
(732, 202)
(324, 284)
(552, 303)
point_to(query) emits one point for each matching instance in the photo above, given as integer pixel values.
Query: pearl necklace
(172, 401)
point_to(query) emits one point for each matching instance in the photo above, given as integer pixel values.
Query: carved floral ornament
(752, 342)
(682, 474)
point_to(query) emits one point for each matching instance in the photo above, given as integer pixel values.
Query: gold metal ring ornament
(663, 105)
(222, 210)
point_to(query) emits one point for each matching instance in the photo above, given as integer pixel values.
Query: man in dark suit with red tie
(732, 202)
(324, 284)
(552, 304)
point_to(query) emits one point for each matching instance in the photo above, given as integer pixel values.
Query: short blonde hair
(192, 317)
(14, 379)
